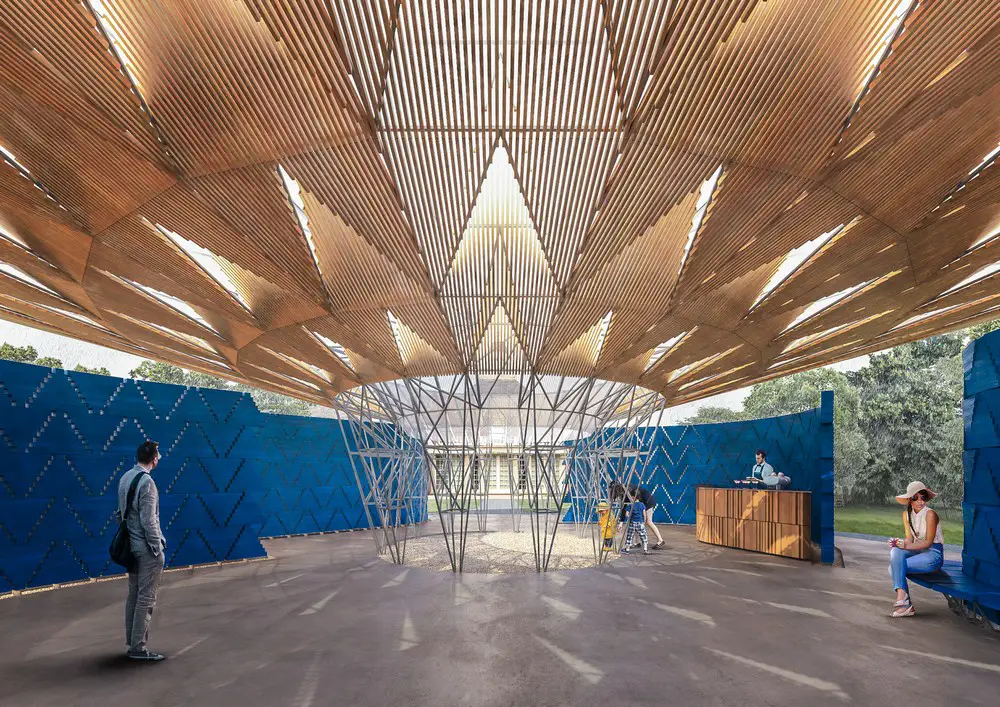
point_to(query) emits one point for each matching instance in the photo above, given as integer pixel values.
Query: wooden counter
(775, 522)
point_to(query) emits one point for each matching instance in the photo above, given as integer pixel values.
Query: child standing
(608, 524)
(636, 514)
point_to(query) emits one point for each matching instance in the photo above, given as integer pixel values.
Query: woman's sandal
(904, 611)
(902, 602)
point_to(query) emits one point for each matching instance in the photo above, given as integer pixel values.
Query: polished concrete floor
(326, 623)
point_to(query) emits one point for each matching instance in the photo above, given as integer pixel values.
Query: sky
(71, 352)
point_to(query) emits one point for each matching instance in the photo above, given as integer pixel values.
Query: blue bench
(966, 596)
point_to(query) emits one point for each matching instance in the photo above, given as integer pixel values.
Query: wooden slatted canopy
(691, 195)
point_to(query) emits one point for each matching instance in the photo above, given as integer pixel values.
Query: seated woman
(921, 551)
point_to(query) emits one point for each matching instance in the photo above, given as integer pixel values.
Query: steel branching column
(387, 468)
(563, 439)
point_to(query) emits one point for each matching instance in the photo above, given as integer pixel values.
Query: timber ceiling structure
(310, 194)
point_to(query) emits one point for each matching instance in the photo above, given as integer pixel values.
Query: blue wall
(799, 445)
(229, 473)
(981, 507)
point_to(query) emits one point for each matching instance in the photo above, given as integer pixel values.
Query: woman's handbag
(121, 544)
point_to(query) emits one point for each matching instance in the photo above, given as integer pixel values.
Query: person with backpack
(139, 507)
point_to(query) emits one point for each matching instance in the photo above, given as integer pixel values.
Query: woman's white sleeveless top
(919, 527)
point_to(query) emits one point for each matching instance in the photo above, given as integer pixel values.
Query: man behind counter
(765, 472)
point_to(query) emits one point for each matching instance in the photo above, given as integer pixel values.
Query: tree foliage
(800, 392)
(715, 413)
(266, 400)
(48, 362)
(102, 371)
(897, 419)
(910, 412)
(983, 328)
(27, 354)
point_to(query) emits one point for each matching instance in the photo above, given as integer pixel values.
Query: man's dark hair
(147, 452)
(762, 453)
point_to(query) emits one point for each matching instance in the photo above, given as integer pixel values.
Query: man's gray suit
(147, 546)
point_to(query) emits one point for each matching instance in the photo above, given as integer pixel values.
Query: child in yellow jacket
(608, 524)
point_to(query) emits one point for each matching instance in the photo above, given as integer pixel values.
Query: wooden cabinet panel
(774, 522)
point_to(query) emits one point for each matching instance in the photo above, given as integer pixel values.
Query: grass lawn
(888, 521)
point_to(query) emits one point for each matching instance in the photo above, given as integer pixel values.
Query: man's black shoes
(145, 655)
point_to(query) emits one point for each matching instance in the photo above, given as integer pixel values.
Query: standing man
(147, 546)
(765, 472)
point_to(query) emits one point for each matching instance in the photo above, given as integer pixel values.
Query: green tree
(21, 354)
(715, 413)
(102, 371)
(800, 392)
(159, 372)
(265, 400)
(910, 412)
(48, 362)
(983, 328)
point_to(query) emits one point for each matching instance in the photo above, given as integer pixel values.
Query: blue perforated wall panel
(981, 553)
(229, 474)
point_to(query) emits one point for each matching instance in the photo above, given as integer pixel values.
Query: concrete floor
(326, 623)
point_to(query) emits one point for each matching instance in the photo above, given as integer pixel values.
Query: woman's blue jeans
(904, 562)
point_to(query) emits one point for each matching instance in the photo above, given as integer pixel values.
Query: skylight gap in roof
(701, 207)
(172, 333)
(698, 365)
(396, 333)
(986, 162)
(984, 239)
(15, 240)
(825, 303)
(926, 315)
(602, 336)
(336, 349)
(980, 274)
(896, 28)
(19, 274)
(294, 192)
(72, 315)
(207, 261)
(9, 157)
(175, 303)
(300, 365)
(794, 260)
(983, 165)
(661, 350)
(106, 26)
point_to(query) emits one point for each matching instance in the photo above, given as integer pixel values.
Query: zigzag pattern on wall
(691, 455)
(229, 475)
(981, 459)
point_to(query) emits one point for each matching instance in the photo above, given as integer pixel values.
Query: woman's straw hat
(912, 489)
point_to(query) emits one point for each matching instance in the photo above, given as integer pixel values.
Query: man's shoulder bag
(121, 544)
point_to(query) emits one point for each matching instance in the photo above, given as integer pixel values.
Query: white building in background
(493, 474)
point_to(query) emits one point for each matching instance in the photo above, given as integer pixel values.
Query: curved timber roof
(692, 195)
